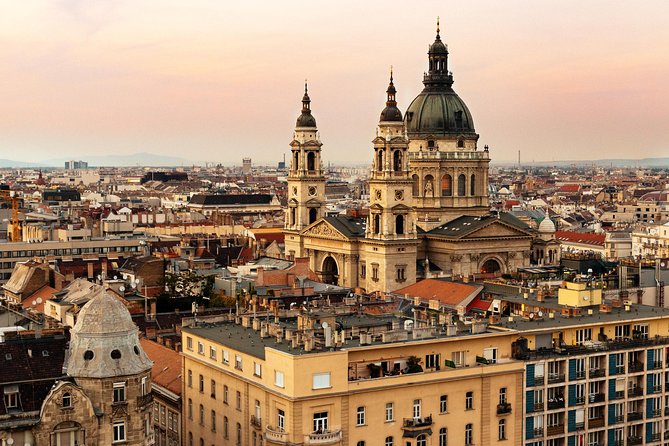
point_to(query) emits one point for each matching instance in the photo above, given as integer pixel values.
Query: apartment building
(349, 379)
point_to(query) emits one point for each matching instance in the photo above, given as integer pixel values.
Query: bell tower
(306, 180)
(391, 216)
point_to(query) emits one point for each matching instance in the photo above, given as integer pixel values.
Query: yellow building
(349, 379)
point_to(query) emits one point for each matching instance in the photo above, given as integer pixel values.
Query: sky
(218, 80)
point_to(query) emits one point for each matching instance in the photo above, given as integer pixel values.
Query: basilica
(429, 210)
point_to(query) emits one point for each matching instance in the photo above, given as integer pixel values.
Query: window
(11, 396)
(421, 440)
(190, 409)
(458, 358)
(416, 408)
(360, 417)
(469, 401)
(361, 443)
(67, 400)
(189, 343)
(320, 421)
(144, 389)
(257, 369)
(469, 434)
(119, 431)
(472, 185)
(225, 394)
(622, 331)
(225, 427)
(278, 378)
(281, 420)
(502, 395)
(401, 274)
(213, 421)
(238, 401)
(640, 331)
(443, 403)
(462, 186)
(213, 389)
(390, 409)
(119, 392)
(583, 335)
(432, 361)
(226, 357)
(501, 430)
(212, 352)
(375, 272)
(257, 409)
(200, 348)
(490, 354)
(443, 436)
(201, 415)
(446, 186)
(399, 224)
(389, 441)
(363, 270)
(239, 434)
(190, 378)
(321, 380)
(201, 384)
(238, 362)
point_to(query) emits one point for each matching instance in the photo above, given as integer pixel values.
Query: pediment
(323, 229)
(497, 229)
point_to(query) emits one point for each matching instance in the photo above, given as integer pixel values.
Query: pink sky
(216, 80)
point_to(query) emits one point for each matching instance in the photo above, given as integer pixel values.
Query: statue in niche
(428, 187)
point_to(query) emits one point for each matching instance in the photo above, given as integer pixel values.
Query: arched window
(190, 378)
(311, 161)
(296, 160)
(377, 224)
(313, 214)
(430, 145)
(472, 185)
(399, 224)
(446, 186)
(397, 161)
(379, 160)
(201, 415)
(415, 187)
(389, 441)
(421, 440)
(225, 427)
(501, 430)
(462, 185)
(190, 439)
(292, 217)
(67, 400)
(239, 434)
(190, 409)
(255, 439)
(361, 443)
(428, 188)
(443, 436)
(469, 434)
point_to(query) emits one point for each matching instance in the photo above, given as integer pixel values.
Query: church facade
(429, 207)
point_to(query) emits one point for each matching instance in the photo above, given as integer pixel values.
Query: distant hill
(614, 162)
(5, 163)
(136, 159)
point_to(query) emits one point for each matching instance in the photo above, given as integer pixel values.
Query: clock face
(312, 190)
(378, 194)
(399, 195)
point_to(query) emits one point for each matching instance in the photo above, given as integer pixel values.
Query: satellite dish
(39, 300)
(34, 302)
(121, 288)
(115, 277)
(10, 441)
(133, 285)
(540, 314)
(325, 325)
(531, 316)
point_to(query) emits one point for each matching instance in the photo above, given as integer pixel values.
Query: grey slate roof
(467, 224)
(349, 226)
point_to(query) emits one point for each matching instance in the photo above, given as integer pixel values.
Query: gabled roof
(449, 294)
(166, 370)
(349, 226)
(468, 225)
(585, 238)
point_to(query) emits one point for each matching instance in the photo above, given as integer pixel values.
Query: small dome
(391, 113)
(105, 341)
(546, 226)
(306, 120)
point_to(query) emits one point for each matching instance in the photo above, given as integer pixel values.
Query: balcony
(144, 400)
(555, 430)
(538, 407)
(557, 378)
(150, 439)
(596, 397)
(580, 374)
(328, 437)
(579, 426)
(597, 373)
(505, 408)
(595, 422)
(617, 395)
(655, 389)
(655, 437)
(579, 400)
(417, 423)
(538, 432)
(654, 413)
(635, 391)
(275, 435)
(634, 416)
(256, 422)
(634, 367)
(666, 435)
(599, 346)
(618, 419)
(634, 440)
(557, 404)
(538, 381)
(655, 365)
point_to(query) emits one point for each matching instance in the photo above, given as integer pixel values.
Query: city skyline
(209, 81)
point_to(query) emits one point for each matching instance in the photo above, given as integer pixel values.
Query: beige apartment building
(349, 380)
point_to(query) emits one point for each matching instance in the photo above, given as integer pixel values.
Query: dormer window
(461, 143)
(67, 400)
(11, 394)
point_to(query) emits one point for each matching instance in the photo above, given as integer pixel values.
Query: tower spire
(438, 37)
(391, 102)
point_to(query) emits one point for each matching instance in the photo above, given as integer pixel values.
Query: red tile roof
(585, 238)
(166, 371)
(447, 293)
(571, 188)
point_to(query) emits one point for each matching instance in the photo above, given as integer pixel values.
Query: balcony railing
(635, 391)
(538, 407)
(412, 423)
(611, 345)
(655, 437)
(619, 418)
(634, 416)
(448, 155)
(328, 437)
(538, 381)
(580, 374)
(655, 365)
(557, 378)
(579, 426)
(555, 430)
(505, 408)
(144, 400)
(655, 389)
(579, 400)
(256, 422)
(596, 422)
(597, 373)
(596, 397)
(559, 404)
(654, 413)
(150, 439)
(276, 435)
(538, 432)
(635, 367)
(634, 440)
(618, 394)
